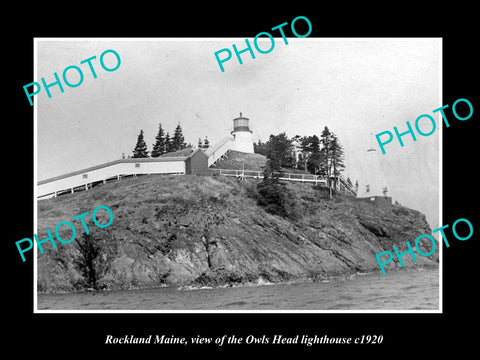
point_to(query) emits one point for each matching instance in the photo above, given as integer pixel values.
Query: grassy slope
(236, 159)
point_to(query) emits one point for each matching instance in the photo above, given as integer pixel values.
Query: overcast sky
(356, 87)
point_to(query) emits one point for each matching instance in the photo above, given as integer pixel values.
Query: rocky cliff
(209, 230)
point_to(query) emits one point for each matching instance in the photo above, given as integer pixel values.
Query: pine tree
(326, 140)
(206, 143)
(337, 157)
(178, 141)
(314, 160)
(168, 143)
(159, 146)
(140, 150)
(260, 148)
(279, 152)
(305, 154)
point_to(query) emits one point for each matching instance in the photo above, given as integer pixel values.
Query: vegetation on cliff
(211, 230)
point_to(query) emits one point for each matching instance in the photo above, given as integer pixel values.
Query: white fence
(342, 184)
(283, 176)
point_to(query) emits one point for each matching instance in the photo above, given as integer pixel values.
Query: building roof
(183, 152)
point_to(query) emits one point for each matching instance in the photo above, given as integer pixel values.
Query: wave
(193, 287)
(261, 282)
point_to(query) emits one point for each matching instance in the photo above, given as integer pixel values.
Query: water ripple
(403, 290)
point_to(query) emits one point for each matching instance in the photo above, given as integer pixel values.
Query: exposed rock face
(193, 230)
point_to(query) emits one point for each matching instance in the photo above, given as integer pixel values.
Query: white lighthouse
(242, 135)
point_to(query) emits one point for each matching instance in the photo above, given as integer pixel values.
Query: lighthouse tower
(242, 135)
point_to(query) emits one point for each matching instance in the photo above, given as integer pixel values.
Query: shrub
(275, 198)
(251, 189)
(322, 192)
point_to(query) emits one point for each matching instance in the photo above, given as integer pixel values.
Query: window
(85, 176)
(137, 165)
(367, 188)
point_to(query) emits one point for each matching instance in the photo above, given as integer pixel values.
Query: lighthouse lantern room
(242, 135)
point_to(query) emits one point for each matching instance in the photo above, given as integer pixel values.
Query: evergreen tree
(178, 141)
(271, 171)
(279, 152)
(337, 158)
(302, 160)
(305, 145)
(206, 143)
(168, 143)
(140, 150)
(325, 166)
(159, 146)
(314, 160)
(260, 148)
(305, 154)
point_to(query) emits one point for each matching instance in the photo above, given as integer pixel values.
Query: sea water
(402, 290)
